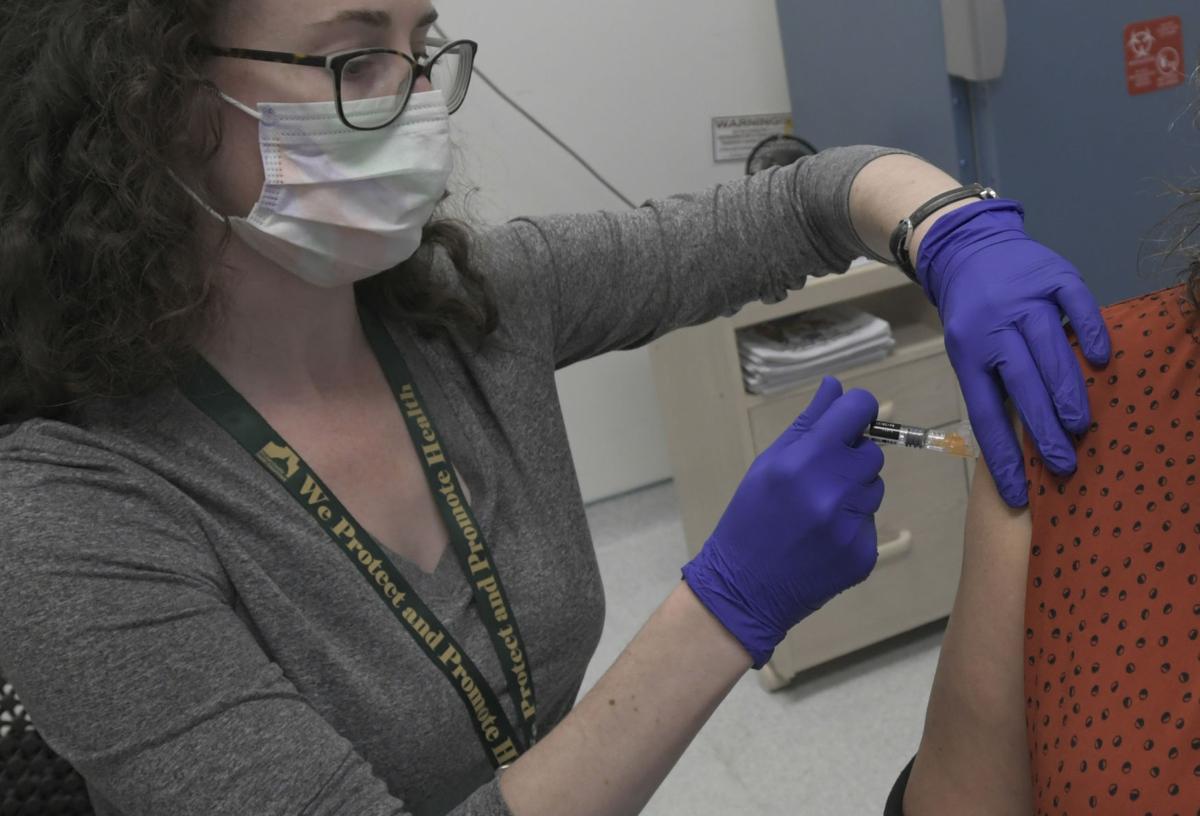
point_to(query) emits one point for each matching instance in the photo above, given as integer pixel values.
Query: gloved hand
(800, 528)
(1000, 295)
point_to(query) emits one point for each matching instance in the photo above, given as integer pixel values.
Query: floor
(830, 744)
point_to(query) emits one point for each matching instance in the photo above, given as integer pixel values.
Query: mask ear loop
(241, 106)
(197, 198)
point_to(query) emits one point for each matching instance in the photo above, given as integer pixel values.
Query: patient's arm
(973, 757)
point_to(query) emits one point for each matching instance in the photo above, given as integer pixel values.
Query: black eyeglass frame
(421, 67)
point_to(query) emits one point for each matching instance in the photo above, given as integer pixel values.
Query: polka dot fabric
(1112, 615)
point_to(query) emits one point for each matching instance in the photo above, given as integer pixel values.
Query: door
(870, 72)
(1058, 130)
(1061, 132)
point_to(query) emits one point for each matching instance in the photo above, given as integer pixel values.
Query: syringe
(956, 439)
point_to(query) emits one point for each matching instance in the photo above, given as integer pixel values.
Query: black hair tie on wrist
(904, 230)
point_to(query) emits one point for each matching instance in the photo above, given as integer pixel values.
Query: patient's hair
(103, 289)
(1185, 223)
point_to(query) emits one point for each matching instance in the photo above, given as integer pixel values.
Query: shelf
(913, 342)
(859, 281)
(915, 327)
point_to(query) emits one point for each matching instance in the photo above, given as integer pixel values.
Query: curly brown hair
(103, 288)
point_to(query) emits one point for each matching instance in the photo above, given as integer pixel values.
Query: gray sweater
(188, 637)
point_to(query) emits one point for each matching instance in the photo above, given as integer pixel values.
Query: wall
(632, 86)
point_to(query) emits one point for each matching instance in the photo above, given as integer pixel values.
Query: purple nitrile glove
(1001, 296)
(800, 528)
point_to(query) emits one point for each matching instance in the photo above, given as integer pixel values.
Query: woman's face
(235, 176)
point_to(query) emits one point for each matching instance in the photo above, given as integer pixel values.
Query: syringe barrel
(956, 439)
(891, 433)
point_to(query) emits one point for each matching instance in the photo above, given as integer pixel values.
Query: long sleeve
(120, 634)
(576, 286)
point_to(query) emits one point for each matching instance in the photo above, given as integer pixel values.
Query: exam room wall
(632, 86)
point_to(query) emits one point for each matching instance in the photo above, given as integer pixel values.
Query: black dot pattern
(1112, 617)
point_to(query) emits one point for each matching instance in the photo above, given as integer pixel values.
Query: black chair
(34, 781)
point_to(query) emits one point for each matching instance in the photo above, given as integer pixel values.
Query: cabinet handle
(899, 546)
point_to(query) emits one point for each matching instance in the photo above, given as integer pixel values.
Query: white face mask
(340, 205)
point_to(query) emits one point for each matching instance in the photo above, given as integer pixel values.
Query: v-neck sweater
(191, 640)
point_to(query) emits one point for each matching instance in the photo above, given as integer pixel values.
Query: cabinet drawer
(920, 530)
(922, 392)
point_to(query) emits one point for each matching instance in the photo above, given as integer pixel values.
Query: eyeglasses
(366, 76)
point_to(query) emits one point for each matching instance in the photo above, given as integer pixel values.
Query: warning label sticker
(735, 136)
(1154, 55)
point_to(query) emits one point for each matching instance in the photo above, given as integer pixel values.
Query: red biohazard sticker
(1154, 55)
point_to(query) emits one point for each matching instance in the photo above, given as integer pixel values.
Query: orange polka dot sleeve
(1112, 614)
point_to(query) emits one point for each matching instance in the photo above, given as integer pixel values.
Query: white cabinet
(715, 429)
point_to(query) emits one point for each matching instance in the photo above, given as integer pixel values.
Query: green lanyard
(210, 392)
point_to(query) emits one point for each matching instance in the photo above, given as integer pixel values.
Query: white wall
(632, 86)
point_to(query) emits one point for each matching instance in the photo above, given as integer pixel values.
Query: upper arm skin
(973, 756)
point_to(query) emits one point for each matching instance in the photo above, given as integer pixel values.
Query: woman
(1066, 683)
(231, 346)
